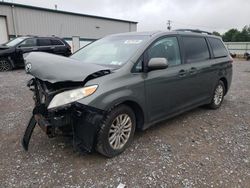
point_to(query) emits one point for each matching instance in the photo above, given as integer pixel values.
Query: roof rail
(30, 35)
(194, 31)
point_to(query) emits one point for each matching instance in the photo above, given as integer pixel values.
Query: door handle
(193, 70)
(182, 73)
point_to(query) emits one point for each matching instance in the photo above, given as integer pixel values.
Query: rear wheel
(218, 95)
(116, 132)
(5, 65)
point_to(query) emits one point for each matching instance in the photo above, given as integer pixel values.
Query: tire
(112, 133)
(218, 95)
(5, 65)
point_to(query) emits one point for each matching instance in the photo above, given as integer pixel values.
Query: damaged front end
(56, 108)
(75, 119)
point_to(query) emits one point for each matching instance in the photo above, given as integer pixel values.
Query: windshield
(15, 41)
(110, 51)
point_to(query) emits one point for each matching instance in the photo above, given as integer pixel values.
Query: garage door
(3, 30)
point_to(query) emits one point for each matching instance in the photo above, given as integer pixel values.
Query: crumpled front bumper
(83, 123)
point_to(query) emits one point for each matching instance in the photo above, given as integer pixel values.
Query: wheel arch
(137, 109)
(224, 80)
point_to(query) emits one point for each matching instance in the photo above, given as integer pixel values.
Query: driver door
(166, 90)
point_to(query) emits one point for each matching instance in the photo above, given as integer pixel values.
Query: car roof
(142, 33)
(23, 37)
(30, 36)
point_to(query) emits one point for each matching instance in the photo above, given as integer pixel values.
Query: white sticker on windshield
(132, 41)
(116, 63)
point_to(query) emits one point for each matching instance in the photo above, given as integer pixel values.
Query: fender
(113, 98)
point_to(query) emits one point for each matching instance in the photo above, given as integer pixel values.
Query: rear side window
(56, 42)
(218, 48)
(196, 49)
(44, 42)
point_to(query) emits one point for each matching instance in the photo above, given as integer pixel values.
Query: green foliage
(234, 35)
(216, 33)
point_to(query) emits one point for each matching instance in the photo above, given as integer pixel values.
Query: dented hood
(54, 68)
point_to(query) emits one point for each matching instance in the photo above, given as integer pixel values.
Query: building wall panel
(46, 23)
(238, 47)
(6, 11)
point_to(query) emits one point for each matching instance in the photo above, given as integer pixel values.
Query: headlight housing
(70, 96)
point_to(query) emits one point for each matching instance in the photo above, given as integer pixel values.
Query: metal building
(19, 20)
(239, 48)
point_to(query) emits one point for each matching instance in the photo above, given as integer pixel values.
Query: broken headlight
(70, 96)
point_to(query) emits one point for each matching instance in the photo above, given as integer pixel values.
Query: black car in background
(247, 56)
(11, 53)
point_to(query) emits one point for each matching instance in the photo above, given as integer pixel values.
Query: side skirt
(174, 114)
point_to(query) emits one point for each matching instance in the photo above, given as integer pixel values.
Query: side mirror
(157, 64)
(19, 46)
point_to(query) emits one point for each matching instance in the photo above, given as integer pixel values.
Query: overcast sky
(210, 15)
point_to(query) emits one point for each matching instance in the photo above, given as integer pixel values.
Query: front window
(15, 41)
(168, 48)
(110, 51)
(28, 43)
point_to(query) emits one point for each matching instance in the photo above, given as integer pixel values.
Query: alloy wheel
(4, 65)
(218, 95)
(120, 131)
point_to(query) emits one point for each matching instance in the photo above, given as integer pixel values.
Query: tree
(216, 33)
(229, 36)
(234, 35)
(245, 34)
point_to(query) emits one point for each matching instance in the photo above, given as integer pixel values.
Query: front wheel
(218, 95)
(116, 132)
(5, 65)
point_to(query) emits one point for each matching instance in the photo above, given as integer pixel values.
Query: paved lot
(201, 148)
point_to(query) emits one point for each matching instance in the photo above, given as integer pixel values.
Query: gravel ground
(201, 148)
